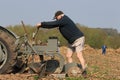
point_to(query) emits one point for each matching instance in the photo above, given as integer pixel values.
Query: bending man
(71, 33)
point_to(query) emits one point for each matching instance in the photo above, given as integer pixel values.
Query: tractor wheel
(7, 52)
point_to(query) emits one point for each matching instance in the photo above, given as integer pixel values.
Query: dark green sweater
(67, 28)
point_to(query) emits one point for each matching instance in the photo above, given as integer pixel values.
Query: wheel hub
(3, 54)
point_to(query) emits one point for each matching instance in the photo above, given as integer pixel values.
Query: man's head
(58, 15)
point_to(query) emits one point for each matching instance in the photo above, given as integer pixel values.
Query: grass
(36, 77)
(79, 78)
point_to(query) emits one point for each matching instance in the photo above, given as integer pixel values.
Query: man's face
(59, 17)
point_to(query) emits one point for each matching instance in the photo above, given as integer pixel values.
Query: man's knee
(79, 55)
(68, 55)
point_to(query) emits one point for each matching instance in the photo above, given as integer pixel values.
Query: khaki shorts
(78, 45)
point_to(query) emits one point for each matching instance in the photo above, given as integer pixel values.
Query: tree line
(95, 37)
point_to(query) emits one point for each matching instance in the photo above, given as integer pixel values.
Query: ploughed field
(99, 67)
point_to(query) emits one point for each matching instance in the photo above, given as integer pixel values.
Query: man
(104, 49)
(71, 33)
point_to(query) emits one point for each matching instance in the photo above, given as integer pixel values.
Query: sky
(91, 13)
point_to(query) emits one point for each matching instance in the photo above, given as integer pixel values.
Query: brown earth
(100, 67)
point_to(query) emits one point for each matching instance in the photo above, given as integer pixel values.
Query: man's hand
(38, 25)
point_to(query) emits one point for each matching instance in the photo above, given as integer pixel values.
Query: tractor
(15, 52)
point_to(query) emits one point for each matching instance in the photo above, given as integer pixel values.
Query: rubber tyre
(8, 45)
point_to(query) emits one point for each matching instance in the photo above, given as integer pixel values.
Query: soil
(99, 67)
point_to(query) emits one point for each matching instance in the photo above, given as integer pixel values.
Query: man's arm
(50, 24)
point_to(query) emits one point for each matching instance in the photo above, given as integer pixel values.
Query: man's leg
(103, 52)
(81, 59)
(79, 47)
(69, 55)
